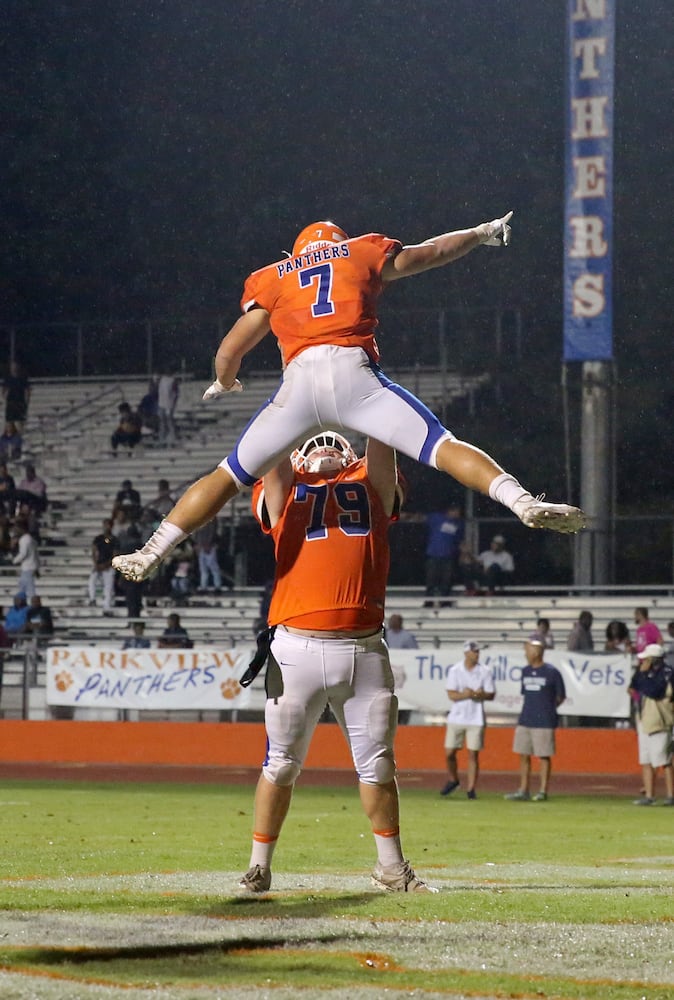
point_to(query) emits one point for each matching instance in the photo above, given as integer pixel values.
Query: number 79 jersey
(324, 296)
(332, 552)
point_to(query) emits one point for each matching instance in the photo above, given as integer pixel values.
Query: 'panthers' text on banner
(588, 249)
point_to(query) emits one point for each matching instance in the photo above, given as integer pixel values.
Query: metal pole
(593, 563)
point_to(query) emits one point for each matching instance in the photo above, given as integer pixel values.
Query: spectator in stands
(16, 391)
(543, 692)
(647, 632)
(39, 620)
(445, 530)
(398, 637)
(5, 536)
(182, 582)
(469, 569)
(148, 410)
(544, 633)
(27, 557)
(11, 443)
(128, 431)
(206, 545)
(129, 536)
(103, 548)
(127, 499)
(7, 490)
(15, 619)
(164, 501)
(138, 640)
(32, 489)
(653, 683)
(580, 638)
(174, 635)
(168, 390)
(617, 638)
(498, 566)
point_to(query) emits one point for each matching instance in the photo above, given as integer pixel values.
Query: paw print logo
(230, 689)
(63, 680)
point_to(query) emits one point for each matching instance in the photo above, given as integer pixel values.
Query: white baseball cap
(471, 646)
(652, 651)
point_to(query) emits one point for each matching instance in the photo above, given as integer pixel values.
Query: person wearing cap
(498, 566)
(469, 684)
(543, 692)
(653, 684)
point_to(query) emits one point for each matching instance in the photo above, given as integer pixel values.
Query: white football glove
(217, 389)
(496, 233)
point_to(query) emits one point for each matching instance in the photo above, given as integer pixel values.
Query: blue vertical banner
(588, 213)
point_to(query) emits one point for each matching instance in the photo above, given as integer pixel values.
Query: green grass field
(131, 890)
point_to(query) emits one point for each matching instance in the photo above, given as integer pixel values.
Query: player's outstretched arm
(382, 471)
(440, 250)
(246, 333)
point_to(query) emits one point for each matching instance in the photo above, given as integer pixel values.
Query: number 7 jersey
(332, 552)
(324, 296)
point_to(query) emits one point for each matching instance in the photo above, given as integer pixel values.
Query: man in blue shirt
(445, 534)
(543, 692)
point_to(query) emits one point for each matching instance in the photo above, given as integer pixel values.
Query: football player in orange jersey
(323, 508)
(321, 305)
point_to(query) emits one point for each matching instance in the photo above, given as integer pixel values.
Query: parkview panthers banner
(94, 676)
(204, 678)
(588, 243)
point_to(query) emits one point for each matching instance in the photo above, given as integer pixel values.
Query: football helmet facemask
(317, 235)
(325, 452)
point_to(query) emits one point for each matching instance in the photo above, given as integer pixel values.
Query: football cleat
(325, 452)
(136, 566)
(256, 879)
(534, 512)
(399, 878)
(317, 235)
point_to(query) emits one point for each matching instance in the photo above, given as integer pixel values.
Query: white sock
(389, 851)
(164, 540)
(506, 490)
(262, 850)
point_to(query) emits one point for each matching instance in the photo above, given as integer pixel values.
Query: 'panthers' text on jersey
(326, 523)
(325, 296)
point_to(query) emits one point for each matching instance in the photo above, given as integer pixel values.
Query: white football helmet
(325, 452)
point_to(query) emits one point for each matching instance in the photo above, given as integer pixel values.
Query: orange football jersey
(332, 553)
(325, 296)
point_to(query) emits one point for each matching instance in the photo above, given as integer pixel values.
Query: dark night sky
(154, 153)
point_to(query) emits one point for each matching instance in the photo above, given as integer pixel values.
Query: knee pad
(385, 768)
(375, 762)
(282, 770)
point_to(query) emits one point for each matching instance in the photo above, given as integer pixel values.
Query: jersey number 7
(322, 274)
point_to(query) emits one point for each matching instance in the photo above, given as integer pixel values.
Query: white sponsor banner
(207, 678)
(596, 684)
(200, 678)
